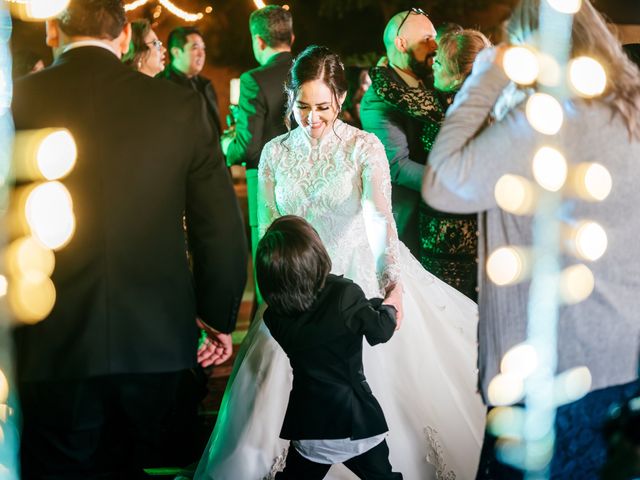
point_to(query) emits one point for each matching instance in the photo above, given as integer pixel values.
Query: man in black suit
(187, 55)
(99, 376)
(262, 105)
(409, 40)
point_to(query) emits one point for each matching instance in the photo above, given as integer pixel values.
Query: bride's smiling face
(315, 108)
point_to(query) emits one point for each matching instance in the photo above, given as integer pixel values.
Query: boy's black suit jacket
(330, 398)
(126, 298)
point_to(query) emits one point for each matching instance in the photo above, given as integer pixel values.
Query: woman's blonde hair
(590, 36)
(458, 49)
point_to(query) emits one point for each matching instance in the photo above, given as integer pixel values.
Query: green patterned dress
(448, 242)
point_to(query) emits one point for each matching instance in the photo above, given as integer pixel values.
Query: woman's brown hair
(590, 36)
(138, 49)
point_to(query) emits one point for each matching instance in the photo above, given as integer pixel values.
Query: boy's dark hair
(104, 19)
(291, 265)
(274, 25)
(178, 38)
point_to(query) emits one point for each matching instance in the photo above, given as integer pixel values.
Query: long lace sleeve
(267, 211)
(376, 204)
(419, 103)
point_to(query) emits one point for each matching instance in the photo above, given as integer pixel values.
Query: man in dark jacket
(99, 376)
(187, 55)
(262, 105)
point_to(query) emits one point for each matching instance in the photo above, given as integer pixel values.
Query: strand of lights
(9, 437)
(133, 5)
(528, 370)
(259, 3)
(177, 11)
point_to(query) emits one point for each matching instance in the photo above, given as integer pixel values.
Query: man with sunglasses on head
(410, 43)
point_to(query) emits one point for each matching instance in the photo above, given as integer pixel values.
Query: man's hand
(216, 349)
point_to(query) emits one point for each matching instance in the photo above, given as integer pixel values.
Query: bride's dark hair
(315, 63)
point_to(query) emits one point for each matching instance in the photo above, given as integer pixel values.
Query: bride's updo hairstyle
(315, 63)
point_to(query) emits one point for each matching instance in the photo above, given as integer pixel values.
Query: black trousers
(371, 465)
(104, 427)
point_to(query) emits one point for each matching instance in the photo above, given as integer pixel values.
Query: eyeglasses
(157, 44)
(417, 11)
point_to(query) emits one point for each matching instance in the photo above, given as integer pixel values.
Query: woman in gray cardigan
(602, 332)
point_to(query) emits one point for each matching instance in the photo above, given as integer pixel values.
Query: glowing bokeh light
(508, 265)
(597, 181)
(505, 421)
(550, 168)
(515, 194)
(259, 3)
(209, 9)
(590, 240)
(49, 212)
(550, 72)
(521, 65)
(56, 155)
(566, 6)
(4, 285)
(521, 361)
(544, 113)
(505, 389)
(4, 388)
(576, 283)
(587, 76)
(27, 255)
(572, 385)
(31, 297)
(178, 12)
(37, 9)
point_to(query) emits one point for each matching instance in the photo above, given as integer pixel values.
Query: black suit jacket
(400, 135)
(126, 298)
(261, 110)
(202, 85)
(330, 397)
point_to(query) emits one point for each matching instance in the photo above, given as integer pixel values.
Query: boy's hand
(394, 298)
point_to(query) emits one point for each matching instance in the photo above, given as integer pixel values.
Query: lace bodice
(342, 187)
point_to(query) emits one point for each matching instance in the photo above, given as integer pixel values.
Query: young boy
(319, 320)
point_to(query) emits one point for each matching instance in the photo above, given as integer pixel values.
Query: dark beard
(421, 69)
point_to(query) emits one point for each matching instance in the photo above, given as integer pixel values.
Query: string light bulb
(566, 6)
(37, 10)
(515, 194)
(591, 182)
(587, 76)
(508, 265)
(521, 360)
(576, 283)
(49, 213)
(550, 168)
(505, 389)
(590, 240)
(521, 65)
(56, 155)
(31, 297)
(544, 113)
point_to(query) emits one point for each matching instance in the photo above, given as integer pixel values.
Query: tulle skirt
(424, 378)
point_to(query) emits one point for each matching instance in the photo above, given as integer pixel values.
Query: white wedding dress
(424, 377)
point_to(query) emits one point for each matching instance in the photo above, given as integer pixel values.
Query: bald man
(410, 44)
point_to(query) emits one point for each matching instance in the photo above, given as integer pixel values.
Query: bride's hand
(394, 298)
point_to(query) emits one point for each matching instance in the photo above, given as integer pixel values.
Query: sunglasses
(417, 11)
(157, 44)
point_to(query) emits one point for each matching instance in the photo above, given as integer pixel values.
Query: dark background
(353, 28)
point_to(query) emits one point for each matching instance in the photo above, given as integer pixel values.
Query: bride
(337, 178)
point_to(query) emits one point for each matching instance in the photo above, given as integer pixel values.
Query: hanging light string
(175, 10)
